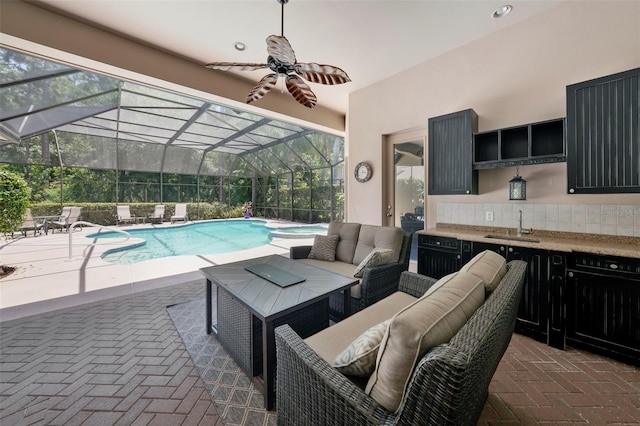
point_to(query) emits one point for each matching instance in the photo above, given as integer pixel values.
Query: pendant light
(517, 187)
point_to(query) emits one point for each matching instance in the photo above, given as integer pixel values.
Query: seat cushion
(381, 237)
(337, 267)
(324, 248)
(359, 358)
(329, 342)
(348, 237)
(488, 266)
(426, 323)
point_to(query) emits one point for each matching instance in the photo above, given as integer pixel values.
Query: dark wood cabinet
(581, 300)
(533, 313)
(534, 143)
(603, 143)
(439, 256)
(603, 305)
(451, 153)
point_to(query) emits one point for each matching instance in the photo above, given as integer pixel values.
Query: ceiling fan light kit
(282, 61)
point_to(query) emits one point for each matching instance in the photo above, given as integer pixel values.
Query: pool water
(299, 231)
(203, 238)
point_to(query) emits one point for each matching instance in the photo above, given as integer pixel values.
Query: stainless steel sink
(512, 238)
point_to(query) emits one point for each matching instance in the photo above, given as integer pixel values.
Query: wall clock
(363, 172)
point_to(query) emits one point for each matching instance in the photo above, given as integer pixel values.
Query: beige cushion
(329, 342)
(384, 237)
(324, 248)
(337, 267)
(359, 358)
(377, 257)
(428, 322)
(442, 281)
(488, 266)
(348, 237)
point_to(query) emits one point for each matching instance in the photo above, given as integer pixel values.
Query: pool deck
(46, 278)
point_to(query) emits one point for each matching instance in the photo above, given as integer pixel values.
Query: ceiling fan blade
(263, 87)
(279, 48)
(323, 74)
(301, 91)
(235, 66)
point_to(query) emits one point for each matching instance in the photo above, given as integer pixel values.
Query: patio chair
(124, 215)
(158, 214)
(30, 224)
(60, 222)
(68, 217)
(74, 216)
(180, 213)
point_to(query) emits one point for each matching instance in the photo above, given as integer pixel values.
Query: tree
(14, 200)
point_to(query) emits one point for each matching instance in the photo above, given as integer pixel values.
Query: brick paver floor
(122, 362)
(119, 362)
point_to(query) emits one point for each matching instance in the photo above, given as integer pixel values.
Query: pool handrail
(81, 222)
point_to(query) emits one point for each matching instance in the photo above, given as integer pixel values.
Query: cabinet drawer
(439, 243)
(622, 267)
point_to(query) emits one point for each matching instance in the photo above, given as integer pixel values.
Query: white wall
(515, 76)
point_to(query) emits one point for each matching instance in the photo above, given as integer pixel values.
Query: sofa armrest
(379, 282)
(311, 392)
(299, 252)
(415, 284)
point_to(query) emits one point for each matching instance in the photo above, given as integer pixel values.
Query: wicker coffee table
(249, 308)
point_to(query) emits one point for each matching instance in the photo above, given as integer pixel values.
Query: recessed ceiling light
(240, 46)
(501, 11)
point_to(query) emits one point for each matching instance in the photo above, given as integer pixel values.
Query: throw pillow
(377, 257)
(324, 248)
(421, 326)
(359, 358)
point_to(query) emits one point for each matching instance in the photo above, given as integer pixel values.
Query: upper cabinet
(451, 153)
(603, 134)
(533, 143)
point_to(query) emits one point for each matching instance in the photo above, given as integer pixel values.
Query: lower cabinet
(533, 313)
(438, 256)
(603, 305)
(583, 300)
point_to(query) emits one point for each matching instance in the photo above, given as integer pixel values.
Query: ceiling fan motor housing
(280, 68)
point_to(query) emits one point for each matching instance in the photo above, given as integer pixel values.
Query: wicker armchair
(449, 385)
(377, 282)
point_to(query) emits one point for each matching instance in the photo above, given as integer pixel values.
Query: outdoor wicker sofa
(355, 244)
(448, 385)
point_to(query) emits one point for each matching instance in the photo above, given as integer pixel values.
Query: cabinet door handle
(510, 249)
(613, 266)
(458, 257)
(501, 248)
(570, 274)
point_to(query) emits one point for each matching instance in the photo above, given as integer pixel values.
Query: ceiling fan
(282, 61)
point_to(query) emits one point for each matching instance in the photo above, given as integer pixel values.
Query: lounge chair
(124, 215)
(69, 216)
(61, 222)
(180, 213)
(158, 214)
(30, 224)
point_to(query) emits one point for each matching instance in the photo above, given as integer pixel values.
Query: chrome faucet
(521, 231)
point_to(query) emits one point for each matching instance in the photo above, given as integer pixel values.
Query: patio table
(249, 308)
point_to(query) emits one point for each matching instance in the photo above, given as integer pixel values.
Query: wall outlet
(488, 216)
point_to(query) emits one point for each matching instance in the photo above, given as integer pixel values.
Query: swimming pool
(299, 231)
(213, 237)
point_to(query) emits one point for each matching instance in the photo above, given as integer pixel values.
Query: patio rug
(237, 400)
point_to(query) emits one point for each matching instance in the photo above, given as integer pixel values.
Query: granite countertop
(610, 245)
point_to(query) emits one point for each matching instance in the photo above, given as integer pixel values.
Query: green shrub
(105, 213)
(14, 201)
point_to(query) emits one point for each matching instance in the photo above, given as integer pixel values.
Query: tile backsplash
(607, 219)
